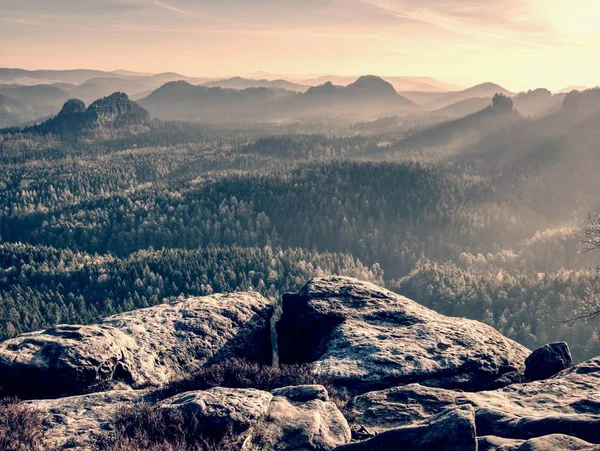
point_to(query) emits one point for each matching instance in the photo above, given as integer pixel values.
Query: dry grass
(20, 427)
(145, 426)
(239, 373)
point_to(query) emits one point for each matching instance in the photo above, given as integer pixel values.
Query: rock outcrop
(364, 337)
(146, 347)
(293, 418)
(567, 404)
(300, 418)
(416, 379)
(113, 112)
(547, 361)
(219, 408)
(76, 422)
(453, 430)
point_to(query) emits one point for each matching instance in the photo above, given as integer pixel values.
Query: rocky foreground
(417, 380)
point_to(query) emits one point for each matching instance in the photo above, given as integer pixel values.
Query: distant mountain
(578, 104)
(165, 77)
(366, 96)
(482, 90)
(537, 102)
(131, 73)
(426, 84)
(23, 104)
(422, 97)
(12, 112)
(112, 113)
(97, 87)
(571, 88)
(46, 76)
(40, 94)
(245, 83)
(465, 132)
(182, 100)
(464, 107)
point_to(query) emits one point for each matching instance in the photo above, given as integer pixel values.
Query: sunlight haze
(518, 43)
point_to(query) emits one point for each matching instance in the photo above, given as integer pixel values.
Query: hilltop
(114, 112)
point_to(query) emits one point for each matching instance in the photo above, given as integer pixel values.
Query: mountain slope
(482, 90)
(464, 107)
(182, 100)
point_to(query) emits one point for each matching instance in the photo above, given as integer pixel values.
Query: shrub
(20, 427)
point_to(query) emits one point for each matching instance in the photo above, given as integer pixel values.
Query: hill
(464, 107)
(537, 102)
(22, 76)
(23, 104)
(482, 90)
(240, 83)
(425, 84)
(182, 100)
(467, 131)
(368, 95)
(114, 112)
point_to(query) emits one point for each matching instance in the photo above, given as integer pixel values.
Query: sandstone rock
(301, 419)
(553, 442)
(116, 110)
(76, 422)
(146, 347)
(302, 393)
(365, 337)
(557, 442)
(547, 361)
(292, 418)
(219, 408)
(567, 404)
(453, 430)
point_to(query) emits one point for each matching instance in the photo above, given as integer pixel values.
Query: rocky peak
(502, 104)
(113, 112)
(373, 85)
(116, 109)
(72, 107)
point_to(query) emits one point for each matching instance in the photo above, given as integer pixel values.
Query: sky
(520, 44)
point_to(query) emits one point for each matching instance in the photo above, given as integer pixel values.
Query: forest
(478, 217)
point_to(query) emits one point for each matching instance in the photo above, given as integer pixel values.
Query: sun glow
(580, 17)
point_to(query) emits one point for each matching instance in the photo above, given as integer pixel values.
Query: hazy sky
(518, 43)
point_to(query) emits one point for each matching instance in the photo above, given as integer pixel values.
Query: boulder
(364, 337)
(453, 430)
(547, 361)
(146, 347)
(300, 418)
(76, 422)
(567, 404)
(556, 442)
(553, 442)
(219, 409)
